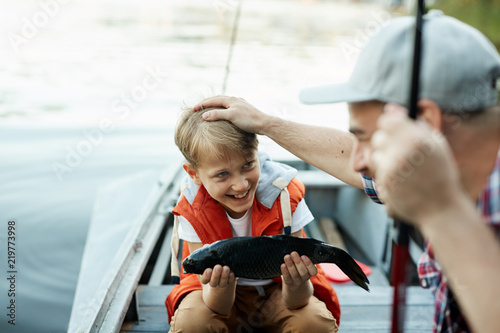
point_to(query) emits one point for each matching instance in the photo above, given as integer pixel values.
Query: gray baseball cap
(459, 67)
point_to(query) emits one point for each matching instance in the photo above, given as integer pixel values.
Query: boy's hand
(297, 270)
(218, 277)
(219, 287)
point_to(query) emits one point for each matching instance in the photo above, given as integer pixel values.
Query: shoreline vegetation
(482, 14)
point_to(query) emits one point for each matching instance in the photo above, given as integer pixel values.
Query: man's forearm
(326, 148)
(469, 253)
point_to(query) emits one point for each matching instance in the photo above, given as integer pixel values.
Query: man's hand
(416, 173)
(236, 110)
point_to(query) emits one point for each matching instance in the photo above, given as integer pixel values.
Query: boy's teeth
(240, 196)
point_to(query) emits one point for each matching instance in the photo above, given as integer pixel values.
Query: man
(434, 178)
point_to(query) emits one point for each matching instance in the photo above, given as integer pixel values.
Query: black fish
(261, 257)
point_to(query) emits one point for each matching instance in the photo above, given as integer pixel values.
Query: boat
(129, 293)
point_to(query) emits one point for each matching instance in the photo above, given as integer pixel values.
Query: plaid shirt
(447, 316)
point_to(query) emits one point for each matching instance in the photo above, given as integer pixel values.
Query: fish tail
(350, 268)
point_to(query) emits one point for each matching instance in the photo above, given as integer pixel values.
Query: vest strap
(174, 245)
(286, 209)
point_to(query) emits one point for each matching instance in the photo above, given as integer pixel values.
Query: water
(89, 93)
(52, 216)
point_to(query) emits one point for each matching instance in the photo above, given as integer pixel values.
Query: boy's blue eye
(248, 165)
(222, 174)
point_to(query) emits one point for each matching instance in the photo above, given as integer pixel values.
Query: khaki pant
(252, 313)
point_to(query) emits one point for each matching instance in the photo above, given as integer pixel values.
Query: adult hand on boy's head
(234, 109)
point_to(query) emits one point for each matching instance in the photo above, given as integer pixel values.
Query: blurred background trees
(484, 15)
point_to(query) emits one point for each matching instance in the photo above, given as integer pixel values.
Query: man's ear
(431, 113)
(192, 173)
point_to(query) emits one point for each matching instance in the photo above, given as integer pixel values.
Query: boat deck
(361, 311)
(136, 286)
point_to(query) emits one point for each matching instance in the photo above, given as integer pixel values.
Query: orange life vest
(202, 213)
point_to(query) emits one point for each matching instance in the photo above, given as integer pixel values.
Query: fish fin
(350, 268)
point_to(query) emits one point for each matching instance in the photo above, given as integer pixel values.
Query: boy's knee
(201, 322)
(314, 317)
(316, 323)
(193, 316)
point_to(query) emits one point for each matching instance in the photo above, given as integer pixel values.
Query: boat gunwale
(108, 307)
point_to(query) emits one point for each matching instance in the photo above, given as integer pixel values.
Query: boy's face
(231, 183)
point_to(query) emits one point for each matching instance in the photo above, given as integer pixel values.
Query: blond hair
(197, 138)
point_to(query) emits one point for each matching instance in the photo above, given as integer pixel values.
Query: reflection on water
(90, 90)
(52, 216)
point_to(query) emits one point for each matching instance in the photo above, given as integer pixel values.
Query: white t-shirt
(242, 227)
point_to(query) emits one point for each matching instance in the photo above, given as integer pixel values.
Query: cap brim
(333, 93)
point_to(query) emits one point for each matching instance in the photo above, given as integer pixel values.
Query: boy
(232, 191)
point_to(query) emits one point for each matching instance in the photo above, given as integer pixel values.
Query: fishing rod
(234, 33)
(401, 253)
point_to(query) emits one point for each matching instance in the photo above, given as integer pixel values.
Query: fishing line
(401, 253)
(234, 33)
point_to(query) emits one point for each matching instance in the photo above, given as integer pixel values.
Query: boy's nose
(241, 184)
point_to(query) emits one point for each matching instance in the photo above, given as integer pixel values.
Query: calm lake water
(90, 91)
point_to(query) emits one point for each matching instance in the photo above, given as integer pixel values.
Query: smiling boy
(235, 195)
(232, 191)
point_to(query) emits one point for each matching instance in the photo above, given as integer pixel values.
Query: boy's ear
(192, 173)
